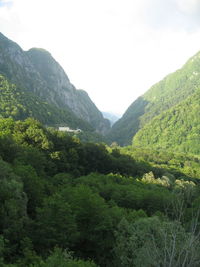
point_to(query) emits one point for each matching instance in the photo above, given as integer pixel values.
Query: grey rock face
(14, 63)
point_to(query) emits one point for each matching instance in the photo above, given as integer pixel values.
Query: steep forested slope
(38, 73)
(167, 93)
(177, 129)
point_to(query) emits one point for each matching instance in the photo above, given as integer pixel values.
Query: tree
(55, 224)
(13, 206)
(63, 259)
(152, 242)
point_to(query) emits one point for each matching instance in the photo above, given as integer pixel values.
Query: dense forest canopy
(68, 203)
(176, 129)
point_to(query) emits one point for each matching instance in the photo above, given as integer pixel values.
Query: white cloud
(189, 6)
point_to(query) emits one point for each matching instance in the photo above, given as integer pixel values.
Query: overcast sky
(113, 49)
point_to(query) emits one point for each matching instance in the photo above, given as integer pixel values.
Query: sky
(113, 49)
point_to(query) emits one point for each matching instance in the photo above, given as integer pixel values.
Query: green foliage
(55, 224)
(152, 242)
(58, 194)
(63, 259)
(33, 186)
(176, 129)
(13, 201)
(164, 162)
(128, 193)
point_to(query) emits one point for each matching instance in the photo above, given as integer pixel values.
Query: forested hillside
(162, 96)
(177, 129)
(67, 203)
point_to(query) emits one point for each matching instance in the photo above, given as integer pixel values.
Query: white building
(69, 130)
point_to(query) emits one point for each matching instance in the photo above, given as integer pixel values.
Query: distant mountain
(111, 117)
(168, 93)
(41, 78)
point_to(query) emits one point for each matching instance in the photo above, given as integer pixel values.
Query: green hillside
(173, 89)
(176, 129)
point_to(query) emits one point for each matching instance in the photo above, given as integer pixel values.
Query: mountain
(169, 92)
(37, 73)
(111, 117)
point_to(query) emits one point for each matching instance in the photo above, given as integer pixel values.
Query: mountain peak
(40, 51)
